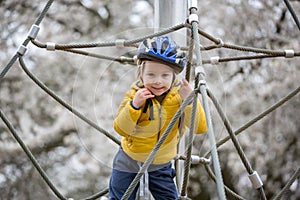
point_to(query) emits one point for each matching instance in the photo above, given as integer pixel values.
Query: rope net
(210, 157)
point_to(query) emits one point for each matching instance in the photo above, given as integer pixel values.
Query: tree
(77, 158)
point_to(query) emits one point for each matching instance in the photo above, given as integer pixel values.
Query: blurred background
(78, 159)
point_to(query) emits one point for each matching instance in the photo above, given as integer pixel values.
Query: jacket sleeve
(127, 117)
(200, 124)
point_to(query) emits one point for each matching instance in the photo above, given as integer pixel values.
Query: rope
(157, 147)
(66, 105)
(8, 66)
(250, 57)
(26, 41)
(263, 114)
(187, 163)
(121, 59)
(232, 194)
(288, 185)
(97, 195)
(31, 156)
(189, 59)
(202, 87)
(288, 5)
(110, 43)
(234, 138)
(215, 159)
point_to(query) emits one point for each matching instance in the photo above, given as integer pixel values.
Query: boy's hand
(185, 89)
(141, 96)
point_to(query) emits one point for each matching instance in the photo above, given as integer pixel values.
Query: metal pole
(166, 14)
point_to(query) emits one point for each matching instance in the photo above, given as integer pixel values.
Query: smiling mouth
(160, 88)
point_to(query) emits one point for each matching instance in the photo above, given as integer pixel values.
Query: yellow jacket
(141, 129)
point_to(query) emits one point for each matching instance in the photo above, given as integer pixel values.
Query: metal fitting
(198, 159)
(289, 53)
(202, 82)
(193, 18)
(34, 30)
(50, 46)
(120, 43)
(199, 69)
(135, 59)
(192, 4)
(221, 43)
(255, 180)
(214, 60)
(124, 59)
(22, 50)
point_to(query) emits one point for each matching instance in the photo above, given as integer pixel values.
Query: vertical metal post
(166, 14)
(169, 13)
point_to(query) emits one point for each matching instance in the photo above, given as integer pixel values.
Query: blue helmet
(164, 50)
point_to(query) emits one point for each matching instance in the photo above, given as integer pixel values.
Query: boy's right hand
(141, 96)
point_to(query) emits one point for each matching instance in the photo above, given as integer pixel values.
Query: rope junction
(200, 88)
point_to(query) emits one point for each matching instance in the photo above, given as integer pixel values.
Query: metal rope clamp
(221, 43)
(22, 50)
(255, 180)
(197, 159)
(214, 60)
(135, 59)
(289, 53)
(120, 43)
(34, 30)
(199, 69)
(193, 18)
(50, 46)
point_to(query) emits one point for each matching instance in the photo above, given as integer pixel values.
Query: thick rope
(122, 59)
(250, 57)
(110, 43)
(231, 194)
(219, 44)
(263, 114)
(187, 77)
(157, 147)
(31, 156)
(66, 105)
(37, 165)
(9, 65)
(215, 158)
(288, 185)
(187, 163)
(233, 137)
(97, 195)
(189, 59)
(288, 5)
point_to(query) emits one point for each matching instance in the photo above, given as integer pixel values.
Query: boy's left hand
(185, 89)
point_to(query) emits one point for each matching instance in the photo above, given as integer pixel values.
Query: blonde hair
(140, 65)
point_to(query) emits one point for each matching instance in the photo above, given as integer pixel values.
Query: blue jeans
(161, 184)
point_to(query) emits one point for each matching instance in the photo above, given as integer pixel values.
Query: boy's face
(157, 77)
